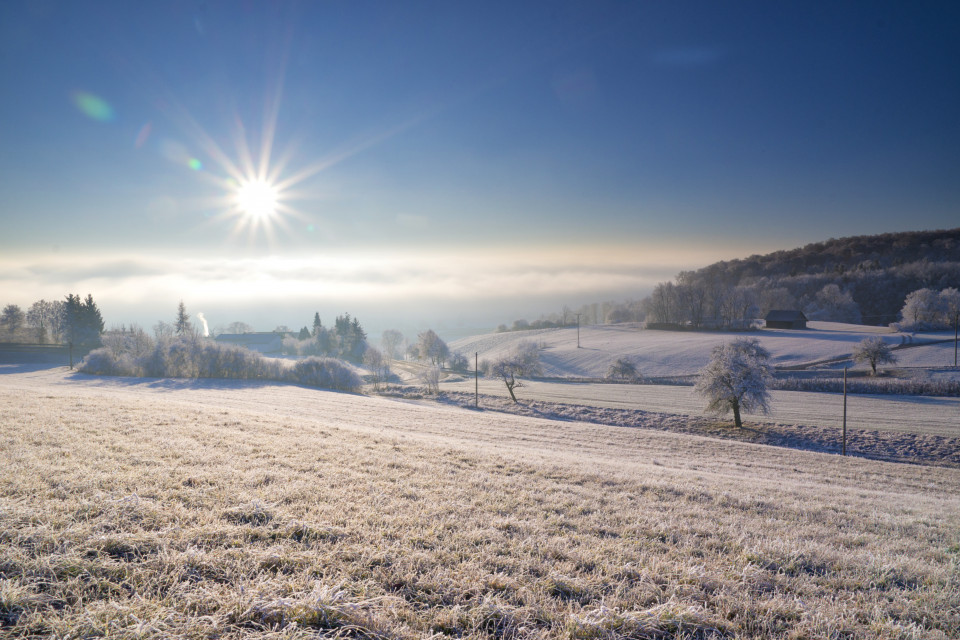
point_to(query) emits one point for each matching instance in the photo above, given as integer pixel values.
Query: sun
(257, 199)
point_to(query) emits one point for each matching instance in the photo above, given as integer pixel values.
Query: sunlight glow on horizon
(382, 274)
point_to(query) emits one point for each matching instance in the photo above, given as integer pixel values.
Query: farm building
(267, 342)
(786, 319)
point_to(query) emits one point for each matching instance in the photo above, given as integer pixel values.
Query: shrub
(325, 373)
(430, 377)
(100, 362)
(185, 357)
(459, 362)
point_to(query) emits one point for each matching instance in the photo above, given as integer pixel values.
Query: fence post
(843, 450)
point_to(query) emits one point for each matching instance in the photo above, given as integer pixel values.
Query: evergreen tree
(71, 319)
(182, 325)
(92, 319)
(82, 323)
(317, 325)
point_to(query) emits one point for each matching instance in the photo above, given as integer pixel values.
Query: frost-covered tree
(950, 303)
(348, 338)
(459, 362)
(391, 340)
(623, 369)
(378, 365)
(162, 330)
(431, 347)
(12, 318)
(430, 377)
(921, 309)
(524, 361)
(44, 317)
(239, 327)
(874, 351)
(834, 305)
(736, 378)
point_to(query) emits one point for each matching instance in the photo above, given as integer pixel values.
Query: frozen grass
(925, 445)
(902, 414)
(199, 510)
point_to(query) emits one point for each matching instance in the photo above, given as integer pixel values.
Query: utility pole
(843, 449)
(476, 379)
(578, 330)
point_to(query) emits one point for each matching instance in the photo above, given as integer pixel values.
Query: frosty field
(677, 353)
(907, 414)
(198, 509)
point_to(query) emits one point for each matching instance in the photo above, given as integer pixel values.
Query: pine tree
(182, 325)
(92, 320)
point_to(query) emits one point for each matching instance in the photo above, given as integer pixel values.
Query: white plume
(206, 330)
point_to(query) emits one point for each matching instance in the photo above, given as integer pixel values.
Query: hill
(676, 353)
(872, 276)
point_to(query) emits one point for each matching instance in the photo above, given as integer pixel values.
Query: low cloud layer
(135, 289)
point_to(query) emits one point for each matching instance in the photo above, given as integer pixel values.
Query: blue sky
(455, 162)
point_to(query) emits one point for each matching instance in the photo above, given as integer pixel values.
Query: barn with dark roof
(786, 319)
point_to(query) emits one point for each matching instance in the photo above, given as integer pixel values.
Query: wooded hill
(876, 271)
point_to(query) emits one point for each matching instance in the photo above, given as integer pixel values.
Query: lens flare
(143, 134)
(92, 106)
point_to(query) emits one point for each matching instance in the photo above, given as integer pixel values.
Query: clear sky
(454, 162)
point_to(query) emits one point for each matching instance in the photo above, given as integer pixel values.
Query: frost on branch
(736, 378)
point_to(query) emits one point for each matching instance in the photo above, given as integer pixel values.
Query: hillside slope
(672, 353)
(186, 508)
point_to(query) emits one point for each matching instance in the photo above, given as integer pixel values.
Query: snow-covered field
(157, 508)
(907, 414)
(677, 353)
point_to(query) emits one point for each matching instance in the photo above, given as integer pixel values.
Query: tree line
(72, 321)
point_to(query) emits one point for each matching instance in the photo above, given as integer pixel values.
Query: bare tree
(239, 327)
(523, 362)
(432, 347)
(874, 351)
(391, 340)
(379, 367)
(43, 317)
(623, 369)
(736, 379)
(430, 377)
(162, 330)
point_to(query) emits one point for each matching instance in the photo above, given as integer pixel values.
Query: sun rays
(257, 199)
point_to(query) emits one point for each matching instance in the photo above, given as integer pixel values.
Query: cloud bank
(136, 288)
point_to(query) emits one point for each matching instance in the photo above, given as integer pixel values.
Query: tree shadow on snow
(175, 384)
